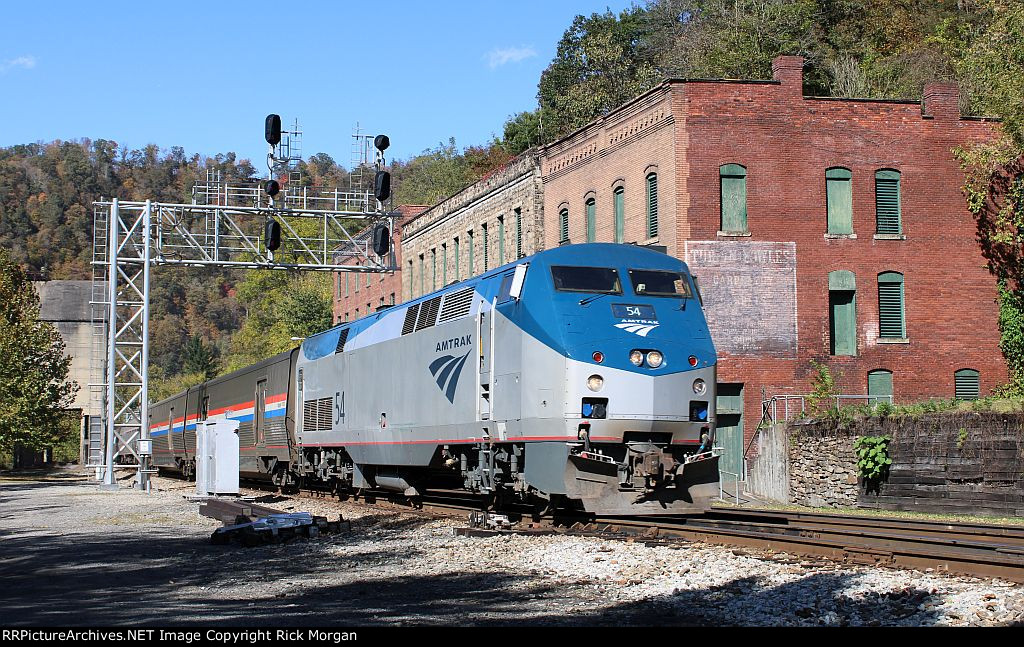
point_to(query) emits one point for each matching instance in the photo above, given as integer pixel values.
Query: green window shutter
(346, 284)
(501, 240)
(433, 263)
(733, 179)
(879, 386)
(444, 263)
(620, 214)
(891, 319)
(967, 384)
(591, 220)
(839, 193)
(563, 226)
(422, 272)
(458, 269)
(887, 203)
(483, 232)
(519, 234)
(470, 269)
(652, 205)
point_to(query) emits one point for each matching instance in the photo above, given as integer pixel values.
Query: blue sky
(204, 75)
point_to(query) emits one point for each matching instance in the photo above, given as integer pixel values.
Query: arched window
(839, 194)
(888, 218)
(891, 318)
(487, 255)
(733, 183)
(563, 226)
(652, 205)
(591, 205)
(618, 206)
(967, 384)
(458, 261)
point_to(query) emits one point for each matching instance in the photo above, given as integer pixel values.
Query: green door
(843, 322)
(729, 431)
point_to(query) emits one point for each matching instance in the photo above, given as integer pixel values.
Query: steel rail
(973, 549)
(988, 557)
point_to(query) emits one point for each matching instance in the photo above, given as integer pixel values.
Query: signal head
(272, 131)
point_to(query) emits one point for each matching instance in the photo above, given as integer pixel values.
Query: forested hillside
(209, 322)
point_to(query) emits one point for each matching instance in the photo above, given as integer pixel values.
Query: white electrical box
(217, 457)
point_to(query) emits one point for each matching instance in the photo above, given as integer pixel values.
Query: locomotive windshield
(603, 280)
(657, 283)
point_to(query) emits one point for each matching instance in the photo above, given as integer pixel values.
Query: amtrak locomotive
(582, 376)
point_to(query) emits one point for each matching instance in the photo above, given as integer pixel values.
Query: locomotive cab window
(603, 280)
(659, 283)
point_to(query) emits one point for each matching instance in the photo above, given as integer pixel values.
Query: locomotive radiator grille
(410, 319)
(456, 305)
(428, 313)
(316, 415)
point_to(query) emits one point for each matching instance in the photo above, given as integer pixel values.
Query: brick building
(357, 295)
(820, 228)
(490, 223)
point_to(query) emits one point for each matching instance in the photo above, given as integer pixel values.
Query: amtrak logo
(446, 371)
(637, 328)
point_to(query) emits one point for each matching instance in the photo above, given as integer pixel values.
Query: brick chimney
(789, 70)
(942, 101)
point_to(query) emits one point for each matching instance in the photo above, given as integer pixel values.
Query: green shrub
(873, 457)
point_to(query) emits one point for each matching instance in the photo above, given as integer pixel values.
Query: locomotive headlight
(595, 382)
(636, 357)
(655, 359)
(699, 387)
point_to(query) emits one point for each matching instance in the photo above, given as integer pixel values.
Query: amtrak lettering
(638, 326)
(450, 344)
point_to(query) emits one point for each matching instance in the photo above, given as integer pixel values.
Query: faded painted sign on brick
(749, 291)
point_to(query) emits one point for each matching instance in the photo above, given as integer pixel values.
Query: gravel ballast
(76, 555)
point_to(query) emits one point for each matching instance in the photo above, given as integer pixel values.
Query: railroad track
(979, 550)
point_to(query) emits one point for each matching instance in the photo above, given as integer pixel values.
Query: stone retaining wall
(949, 462)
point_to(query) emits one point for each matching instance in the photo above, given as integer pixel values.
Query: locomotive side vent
(456, 304)
(316, 415)
(341, 341)
(410, 319)
(428, 313)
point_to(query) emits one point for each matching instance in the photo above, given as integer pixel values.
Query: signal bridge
(246, 226)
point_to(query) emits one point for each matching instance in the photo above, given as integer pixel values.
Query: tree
(523, 131)
(598, 66)
(989, 60)
(34, 385)
(727, 38)
(200, 358)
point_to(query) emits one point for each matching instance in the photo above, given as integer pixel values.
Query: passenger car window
(659, 283)
(604, 280)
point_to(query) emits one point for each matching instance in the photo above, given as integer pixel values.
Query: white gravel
(399, 568)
